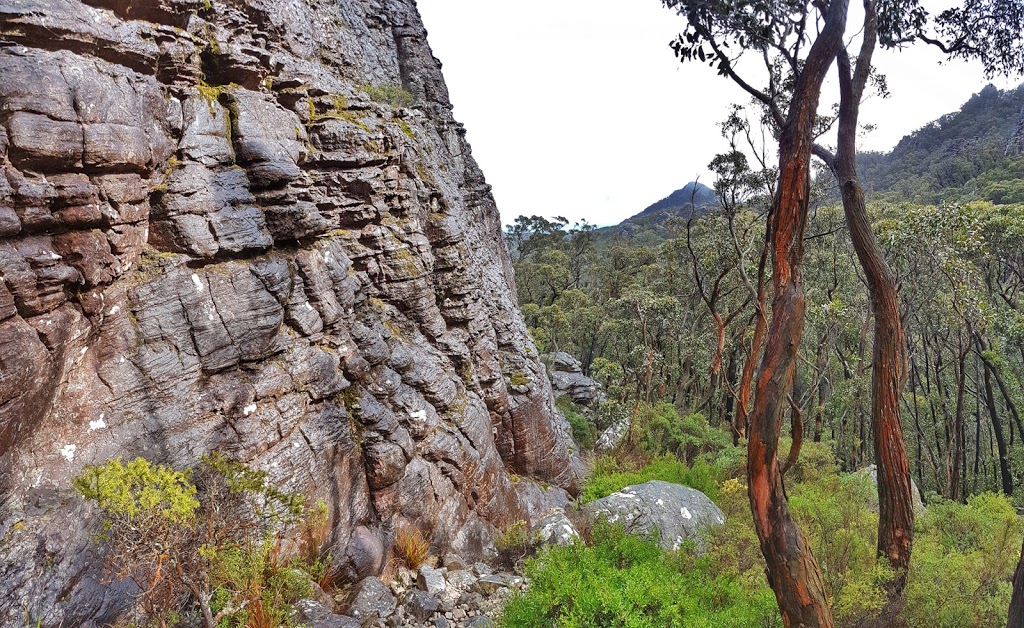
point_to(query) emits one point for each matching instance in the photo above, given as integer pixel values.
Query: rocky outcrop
(671, 512)
(567, 378)
(614, 434)
(555, 528)
(251, 226)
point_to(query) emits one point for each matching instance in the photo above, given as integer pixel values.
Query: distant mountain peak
(693, 193)
(694, 197)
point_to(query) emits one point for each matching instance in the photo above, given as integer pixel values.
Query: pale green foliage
(125, 492)
(212, 535)
(964, 554)
(660, 429)
(608, 476)
(583, 431)
(514, 543)
(389, 94)
(964, 557)
(627, 581)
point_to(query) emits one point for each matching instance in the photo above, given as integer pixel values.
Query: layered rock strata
(251, 226)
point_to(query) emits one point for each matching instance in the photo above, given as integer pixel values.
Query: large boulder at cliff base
(670, 512)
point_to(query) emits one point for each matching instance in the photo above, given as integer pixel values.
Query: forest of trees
(974, 153)
(646, 322)
(799, 306)
(665, 313)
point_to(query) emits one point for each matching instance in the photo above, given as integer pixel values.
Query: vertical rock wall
(224, 226)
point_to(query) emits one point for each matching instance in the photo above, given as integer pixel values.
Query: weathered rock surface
(212, 238)
(555, 528)
(567, 378)
(315, 615)
(871, 472)
(613, 435)
(431, 580)
(420, 605)
(372, 600)
(672, 512)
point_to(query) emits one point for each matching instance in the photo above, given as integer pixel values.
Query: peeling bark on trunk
(756, 343)
(793, 572)
(896, 513)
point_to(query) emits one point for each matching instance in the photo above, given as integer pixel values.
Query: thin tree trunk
(896, 513)
(997, 425)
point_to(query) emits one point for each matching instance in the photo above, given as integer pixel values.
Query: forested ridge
(662, 314)
(974, 153)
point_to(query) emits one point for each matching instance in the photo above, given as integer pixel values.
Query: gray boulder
(363, 556)
(562, 362)
(672, 512)
(315, 615)
(613, 435)
(431, 580)
(421, 605)
(372, 600)
(555, 528)
(871, 472)
(567, 378)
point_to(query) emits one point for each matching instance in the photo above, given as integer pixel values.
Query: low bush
(659, 429)
(583, 431)
(411, 548)
(960, 574)
(213, 536)
(514, 544)
(963, 562)
(390, 95)
(627, 581)
(607, 476)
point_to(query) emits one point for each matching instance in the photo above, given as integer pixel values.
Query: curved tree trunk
(896, 513)
(760, 329)
(793, 572)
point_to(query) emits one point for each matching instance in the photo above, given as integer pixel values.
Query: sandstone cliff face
(212, 237)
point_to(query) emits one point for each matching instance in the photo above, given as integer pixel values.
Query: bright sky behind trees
(579, 108)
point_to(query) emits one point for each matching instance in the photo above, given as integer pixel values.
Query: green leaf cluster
(139, 489)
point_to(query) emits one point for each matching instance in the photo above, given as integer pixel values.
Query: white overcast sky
(579, 108)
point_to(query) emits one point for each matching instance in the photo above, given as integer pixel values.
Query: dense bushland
(672, 323)
(960, 573)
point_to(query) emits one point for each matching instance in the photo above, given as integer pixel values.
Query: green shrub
(583, 431)
(212, 535)
(960, 575)
(606, 476)
(390, 95)
(627, 581)
(833, 510)
(963, 560)
(130, 494)
(515, 543)
(816, 461)
(660, 429)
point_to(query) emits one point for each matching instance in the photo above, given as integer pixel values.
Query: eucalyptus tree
(798, 42)
(988, 30)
